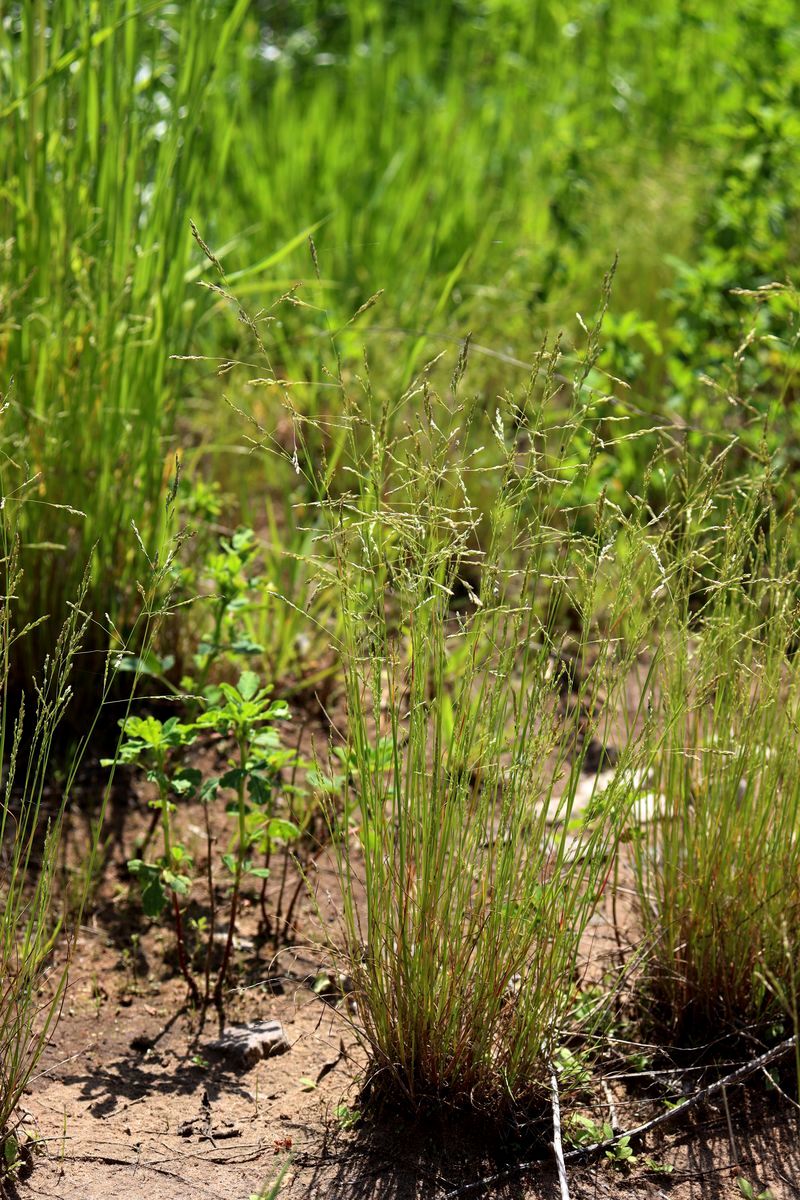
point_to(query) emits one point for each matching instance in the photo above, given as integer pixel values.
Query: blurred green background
(480, 162)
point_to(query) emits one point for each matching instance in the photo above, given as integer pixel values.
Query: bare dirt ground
(132, 1105)
(132, 1100)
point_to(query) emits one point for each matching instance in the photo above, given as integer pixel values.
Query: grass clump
(472, 873)
(38, 920)
(718, 863)
(31, 994)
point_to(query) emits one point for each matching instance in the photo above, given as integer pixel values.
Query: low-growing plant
(272, 1187)
(282, 615)
(31, 988)
(220, 586)
(750, 1192)
(347, 1117)
(581, 1130)
(247, 601)
(151, 743)
(33, 982)
(245, 713)
(230, 571)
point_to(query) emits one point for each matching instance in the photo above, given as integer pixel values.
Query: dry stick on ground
(558, 1149)
(612, 1108)
(756, 1064)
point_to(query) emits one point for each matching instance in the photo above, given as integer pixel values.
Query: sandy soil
(132, 1105)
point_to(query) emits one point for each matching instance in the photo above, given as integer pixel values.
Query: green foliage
(28, 908)
(250, 600)
(481, 559)
(582, 1131)
(347, 1117)
(425, 148)
(744, 249)
(103, 153)
(272, 1188)
(150, 743)
(230, 572)
(750, 1193)
(37, 926)
(449, 109)
(245, 713)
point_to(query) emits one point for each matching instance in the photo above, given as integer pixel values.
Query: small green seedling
(583, 1131)
(658, 1168)
(347, 1117)
(621, 1154)
(271, 1189)
(11, 1155)
(750, 1193)
(571, 1067)
(231, 571)
(166, 879)
(246, 713)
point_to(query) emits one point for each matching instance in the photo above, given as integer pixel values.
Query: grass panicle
(718, 865)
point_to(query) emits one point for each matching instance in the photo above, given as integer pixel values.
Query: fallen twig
(612, 1108)
(558, 1149)
(769, 1056)
(586, 1152)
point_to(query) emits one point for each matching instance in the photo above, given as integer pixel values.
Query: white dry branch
(558, 1149)
(586, 1152)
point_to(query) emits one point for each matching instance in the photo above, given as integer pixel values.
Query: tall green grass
(495, 613)
(476, 160)
(103, 157)
(481, 162)
(486, 160)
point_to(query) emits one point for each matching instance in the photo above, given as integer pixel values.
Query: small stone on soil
(245, 1045)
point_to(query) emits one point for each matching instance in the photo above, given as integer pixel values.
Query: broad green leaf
(259, 789)
(248, 684)
(279, 829)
